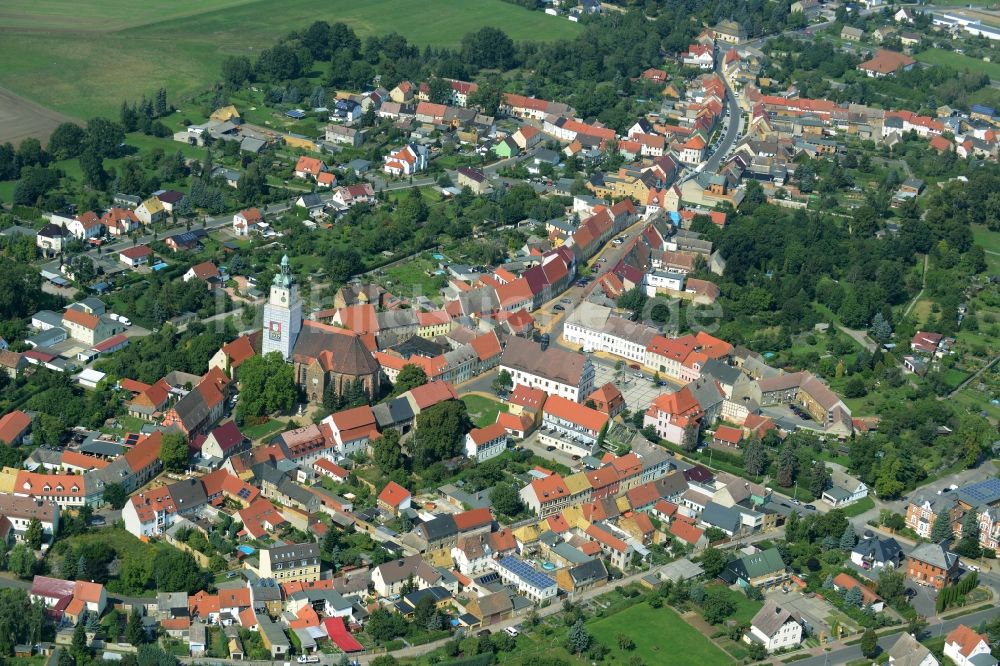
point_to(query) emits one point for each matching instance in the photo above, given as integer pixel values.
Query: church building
(321, 354)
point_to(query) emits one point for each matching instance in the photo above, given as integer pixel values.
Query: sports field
(81, 58)
(959, 62)
(660, 636)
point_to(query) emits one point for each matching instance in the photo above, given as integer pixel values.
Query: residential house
(877, 553)
(408, 160)
(908, 651)
(14, 427)
(844, 490)
(775, 628)
(886, 63)
(309, 167)
(394, 498)
(572, 427)
(485, 443)
(135, 256)
(932, 564)
(294, 562)
(529, 582)
(852, 34)
(546, 496)
(843, 582)
(965, 647)
(761, 569)
(151, 211)
(19, 512)
(246, 221)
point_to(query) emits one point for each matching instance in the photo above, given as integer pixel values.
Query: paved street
(845, 654)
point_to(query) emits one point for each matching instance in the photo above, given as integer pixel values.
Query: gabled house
(775, 628)
(932, 564)
(965, 647)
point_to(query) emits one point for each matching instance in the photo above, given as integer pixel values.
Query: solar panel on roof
(244, 493)
(526, 572)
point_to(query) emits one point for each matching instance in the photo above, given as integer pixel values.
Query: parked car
(511, 631)
(810, 507)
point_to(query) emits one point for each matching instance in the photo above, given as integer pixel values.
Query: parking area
(638, 393)
(532, 444)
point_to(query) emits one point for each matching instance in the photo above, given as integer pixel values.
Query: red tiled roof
(393, 494)
(486, 346)
(966, 638)
(205, 270)
(685, 531)
(529, 398)
(13, 425)
(848, 582)
(487, 434)
(468, 520)
(568, 410)
(550, 488)
(887, 62)
(432, 393)
(728, 434)
(136, 252)
(145, 452)
(81, 318)
(238, 350)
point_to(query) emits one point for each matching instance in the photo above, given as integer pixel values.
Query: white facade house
(659, 280)
(574, 385)
(844, 490)
(485, 443)
(775, 628)
(595, 328)
(529, 582)
(571, 427)
(965, 647)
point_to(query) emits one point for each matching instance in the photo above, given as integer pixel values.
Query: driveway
(813, 610)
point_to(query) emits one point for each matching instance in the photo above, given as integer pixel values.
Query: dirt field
(21, 118)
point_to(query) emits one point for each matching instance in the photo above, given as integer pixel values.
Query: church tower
(282, 313)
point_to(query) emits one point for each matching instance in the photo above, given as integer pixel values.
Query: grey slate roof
(773, 617)
(907, 651)
(723, 517)
(390, 413)
(935, 554)
(589, 572)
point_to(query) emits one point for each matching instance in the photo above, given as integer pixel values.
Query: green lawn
(660, 635)
(859, 507)
(989, 241)
(263, 430)
(746, 607)
(959, 61)
(483, 411)
(83, 58)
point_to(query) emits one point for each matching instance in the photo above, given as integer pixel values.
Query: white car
(125, 320)
(303, 659)
(511, 631)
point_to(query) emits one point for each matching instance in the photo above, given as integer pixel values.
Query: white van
(511, 631)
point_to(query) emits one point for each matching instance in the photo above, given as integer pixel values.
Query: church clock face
(274, 331)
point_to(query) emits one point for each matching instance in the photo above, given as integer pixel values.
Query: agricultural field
(959, 61)
(58, 53)
(663, 633)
